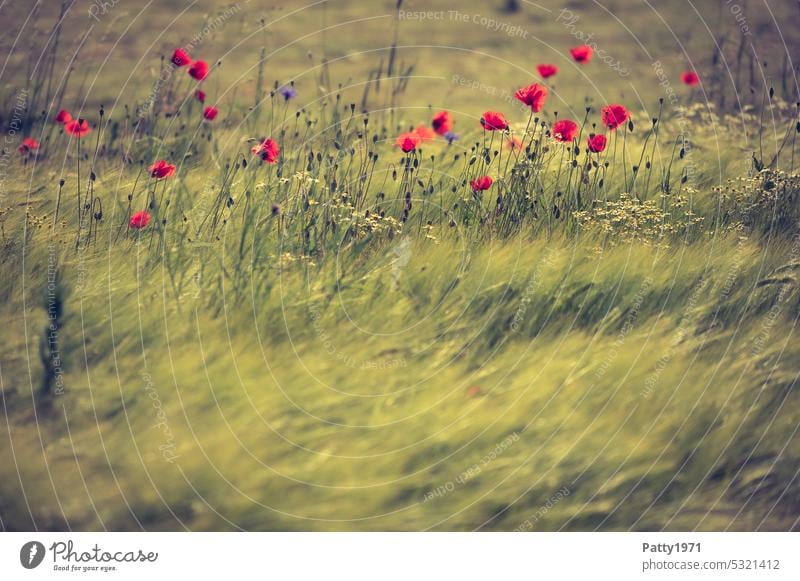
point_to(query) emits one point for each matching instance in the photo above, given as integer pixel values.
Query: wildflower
(424, 133)
(180, 58)
(29, 144)
(514, 143)
(139, 220)
(533, 96)
(565, 130)
(408, 142)
(582, 54)
(161, 169)
(596, 143)
(547, 71)
(614, 115)
(268, 150)
(77, 127)
(690, 78)
(442, 122)
(63, 117)
(210, 113)
(200, 96)
(288, 92)
(494, 121)
(199, 70)
(481, 184)
(450, 137)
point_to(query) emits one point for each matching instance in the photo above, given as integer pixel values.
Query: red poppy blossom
(77, 127)
(533, 96)
(494, 121)
(547, 71)
(565, 130)
(29, 144)
(200, 95)
(180, 58)
(139, 220)
(690, 78)
(514, 143)
(161, 169)
(442, 122)
(210, 113)
(582, 54)
(597, 143)
(424, 133)
(63, 117)
(614, 115)
(408, 142)
(199, 70)
(481, 184)
(268, 150)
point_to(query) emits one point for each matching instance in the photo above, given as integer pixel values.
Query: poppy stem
(78, 236)
(58, 202)
(625, 159)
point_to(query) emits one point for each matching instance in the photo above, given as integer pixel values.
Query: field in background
(449, 378)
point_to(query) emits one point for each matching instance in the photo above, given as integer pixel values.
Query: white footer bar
(401, 556)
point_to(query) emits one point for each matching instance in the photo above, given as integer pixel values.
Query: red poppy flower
(494, 121)
(533, 96)
(199, 70)
(63, 117)
(200, 96)
(180, 58)
(267, 150)
(161, 169)
(596, 143)
(480, 184)
(210, 113)
(614, 115)
(29, 144)
(408, 142)
(77, 127)
(547, 71)
(564, 130)
(442, 122)
(514, 143)
(582, 54)
(139, 220)
(424, 133)
(690, 78)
